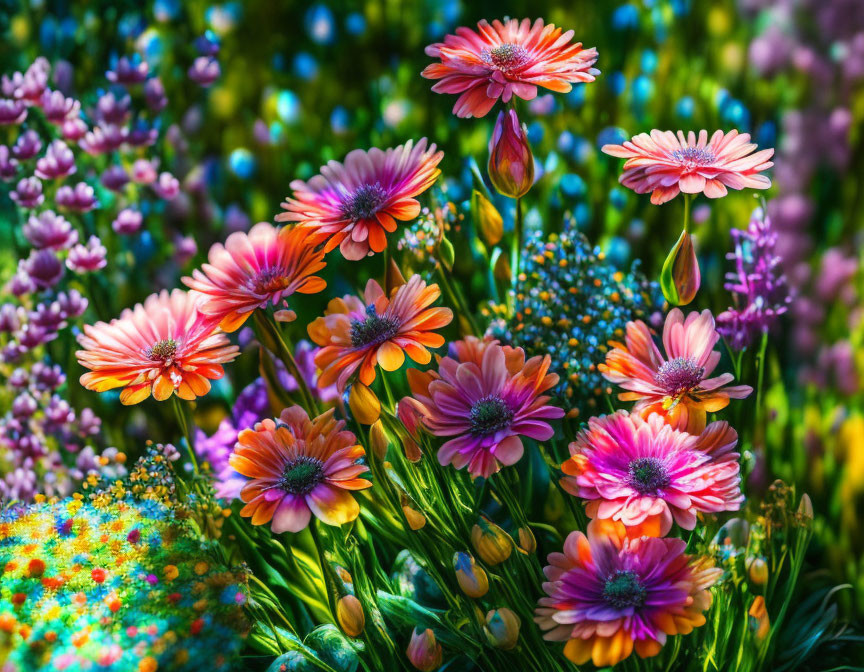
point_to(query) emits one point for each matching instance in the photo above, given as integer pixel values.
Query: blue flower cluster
(570, 301)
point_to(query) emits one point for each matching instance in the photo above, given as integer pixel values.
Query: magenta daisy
(355, 204)
(608, 597)
(485, 400)
(506, 59)
(646, 474)
(665, 163)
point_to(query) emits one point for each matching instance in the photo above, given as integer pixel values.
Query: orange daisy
(163, 347)
(251, 270)
(358, 334)
(298, 467)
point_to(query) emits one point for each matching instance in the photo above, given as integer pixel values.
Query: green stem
(456, 301)
(266, 325)
(185, 423)
(687, 199)
(516, 245)
(760, 373)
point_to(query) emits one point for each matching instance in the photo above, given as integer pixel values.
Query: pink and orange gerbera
(677, 385)
(483, 399)
(645, 474)
(298, 467)
(665, 163)
(355, 204)
(506, 59)
(357, 334)
(165, 346)
(255, 269)
(608, 597)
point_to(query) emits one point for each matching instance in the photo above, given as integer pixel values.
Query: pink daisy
(676, 386)
(607, 598)
(256, 269)
(665, 164)
(644, 473)
(485, 399)
(298, 467)
(507, 59)
(355, 204)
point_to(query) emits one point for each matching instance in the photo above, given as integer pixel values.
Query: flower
(665, 164)
(485, 398)
(204, 71)
(644, 473)
(350, 616)
(298, 467)
(254, 269)
(489, 222)
(608, 597)
(163, 347)
(48, 230)
(506, 59)
(492, 543)
(358, 334)
(80, 198)
(758, 285)
(127, 222)
(87, 258)
(423, 650)
(356, 203)
(677, 385)
(12, 112)
(43, 268)
(28, 193)
(511, 164)
(59, 161)
(128, 71)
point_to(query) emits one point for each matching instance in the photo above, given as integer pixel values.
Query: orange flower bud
(424, 651)
(472, 579)
(488, 220)
(349, 614)
(364, 404)
(502, 628)
(492, 544)
(680, 277)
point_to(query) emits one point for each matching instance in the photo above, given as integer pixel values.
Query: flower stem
(687, 199)
(516, 245)
(456, 300)
(185, 422)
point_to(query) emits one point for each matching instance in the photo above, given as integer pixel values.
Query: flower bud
(492, 544)
(364, 404)
(680, 277)
(416, 520)
(424, 651)
(472, 579)
(757, 570)
(511, 165)
(527, 542)
(759, 620)
(394, 278)
(805, 506)
(489, 223)
(349, 615)
(502, 628)
(378, 439)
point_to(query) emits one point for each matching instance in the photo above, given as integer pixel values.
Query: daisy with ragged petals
(607, 597)
(356, 334)
(483, 400)
(506, 59)
(676, 385)
(355, 204)
(298, 467)
(162, 347)
(665, 163)
(255, 269)
(646, 474)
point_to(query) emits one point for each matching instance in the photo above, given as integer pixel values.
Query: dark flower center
(163, 351)
(301, 475)
(623, 590)
(647, 475)
(505, 56)
(269, 280)
(364, 202)
(374, 330)
(489, 415)
(694, 156)
(679, 375)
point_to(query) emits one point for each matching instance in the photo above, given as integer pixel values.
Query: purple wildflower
(80, 198)
(8, 164)
(48, 230)
(204, 71)
(114, 178)
(128, 71)
(154, 94)
(167, 186)
(58, 108)
(12, 112)
(43, 267)
(127, 222)
(111, 109)
(87, 258)
(27, 145)
(59, 161)
(72, 303)
(758, 286)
